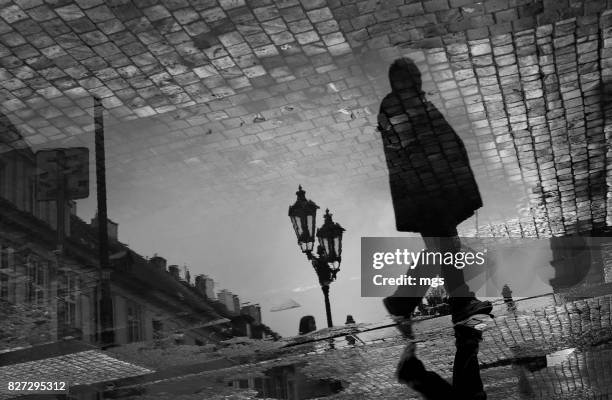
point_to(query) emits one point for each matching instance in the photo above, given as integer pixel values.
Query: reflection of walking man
(433, 190)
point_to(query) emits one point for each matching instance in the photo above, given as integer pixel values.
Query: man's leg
(467, 383)
(463, 303)
(445, 240)
(412, 372)
(402, 303)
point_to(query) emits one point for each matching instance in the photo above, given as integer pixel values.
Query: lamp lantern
(303, 215)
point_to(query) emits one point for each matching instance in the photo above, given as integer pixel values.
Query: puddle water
(287, 382)
(570, 371)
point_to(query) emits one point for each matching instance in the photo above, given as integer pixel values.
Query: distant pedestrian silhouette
(507, 295)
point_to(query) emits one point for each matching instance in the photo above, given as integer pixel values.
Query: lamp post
(326, 262)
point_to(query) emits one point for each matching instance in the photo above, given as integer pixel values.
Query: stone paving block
(319, 15)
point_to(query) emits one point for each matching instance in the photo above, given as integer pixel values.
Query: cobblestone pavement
(81, 368)
(247, 95)
(553, 352)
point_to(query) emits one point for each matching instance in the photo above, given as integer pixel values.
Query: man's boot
(463, 308)
(401, 309)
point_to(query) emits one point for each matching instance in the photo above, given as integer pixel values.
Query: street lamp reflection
(326, 262)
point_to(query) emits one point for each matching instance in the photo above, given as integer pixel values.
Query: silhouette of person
(350, 339)
(507, 295)
(307, 325)
(433, 190)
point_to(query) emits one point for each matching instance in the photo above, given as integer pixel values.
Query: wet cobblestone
(80, 368)
(286, 83)
(515, 358)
